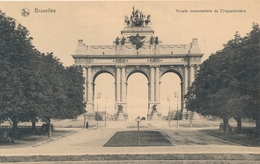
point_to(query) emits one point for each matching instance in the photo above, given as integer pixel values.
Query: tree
(15, 51)
(224, 87)
(75, 91)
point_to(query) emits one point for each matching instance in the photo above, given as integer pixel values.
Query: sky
(100, 22)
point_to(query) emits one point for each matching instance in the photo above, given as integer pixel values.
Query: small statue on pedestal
(117, 41)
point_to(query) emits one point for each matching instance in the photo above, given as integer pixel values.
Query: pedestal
(154, 115)
(120, 116)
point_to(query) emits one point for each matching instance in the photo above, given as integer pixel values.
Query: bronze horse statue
(127, 21)
(148, 20)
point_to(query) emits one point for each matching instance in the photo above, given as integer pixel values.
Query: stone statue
(156, 41)
(151, 40)
(127, 21)
(117, 41)
(148, 20)
(123, 41)
(154, 107)
(120, 108)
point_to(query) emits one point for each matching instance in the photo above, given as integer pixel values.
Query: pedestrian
(87, 125)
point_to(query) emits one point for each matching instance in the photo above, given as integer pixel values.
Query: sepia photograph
(130, 82)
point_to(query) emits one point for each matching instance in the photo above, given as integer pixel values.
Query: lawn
(135, 138)
(243, 139)
(30, 139)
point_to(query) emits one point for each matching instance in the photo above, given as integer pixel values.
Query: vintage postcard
(106, 80)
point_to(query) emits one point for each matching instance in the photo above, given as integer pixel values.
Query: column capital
(88, 66)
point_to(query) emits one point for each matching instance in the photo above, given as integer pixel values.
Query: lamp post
(84, 124)
(138, 120)
(176, 95)
(98, 97)
(106, 112)
(169, 119)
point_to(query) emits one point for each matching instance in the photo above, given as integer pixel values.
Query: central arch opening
(137, 96)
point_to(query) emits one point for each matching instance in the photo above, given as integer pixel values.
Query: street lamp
(138, 120)
(98, 97)
(106, 112)
(169, 119)
(176, 95)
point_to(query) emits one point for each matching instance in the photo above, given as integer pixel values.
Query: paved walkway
(91, 141)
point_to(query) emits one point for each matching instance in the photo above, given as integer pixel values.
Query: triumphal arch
(137, 50)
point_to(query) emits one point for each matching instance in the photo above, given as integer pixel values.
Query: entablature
(137, 59)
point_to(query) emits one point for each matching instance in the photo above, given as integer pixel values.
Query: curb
(54, 139)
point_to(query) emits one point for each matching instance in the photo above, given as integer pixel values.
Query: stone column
(85, 93)
(182, 98)
(115, 106)
(123, 85)
(89, 94)
(117, 84)
(152, 83)
(191, 74)
(157, 84)
(186, 79)
(149, 99)
(85, 96)
(90, 86)
(157, 89)
(123, 92)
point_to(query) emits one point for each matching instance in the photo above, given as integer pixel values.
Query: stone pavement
(91, 141)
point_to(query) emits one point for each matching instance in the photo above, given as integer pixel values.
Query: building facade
(137, 50)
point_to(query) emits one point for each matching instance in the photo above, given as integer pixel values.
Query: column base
(120, 117)
(154, 116)
(126, 116)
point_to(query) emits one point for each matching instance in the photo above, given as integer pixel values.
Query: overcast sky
(99, 23)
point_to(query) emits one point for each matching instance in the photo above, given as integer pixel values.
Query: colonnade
(121, 88)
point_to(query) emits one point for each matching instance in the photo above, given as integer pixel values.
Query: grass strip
(242, 139)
